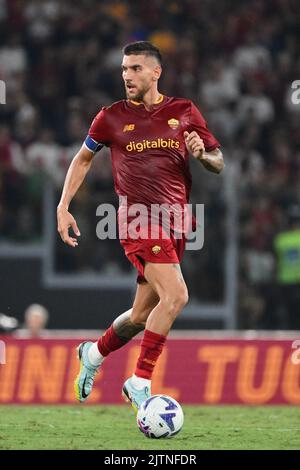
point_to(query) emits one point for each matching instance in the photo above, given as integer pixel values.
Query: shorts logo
(173, 123)
(129, 127)
(148, 361)
(156, 249)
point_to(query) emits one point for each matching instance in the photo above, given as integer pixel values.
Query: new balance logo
(148, 361)
(129, 127)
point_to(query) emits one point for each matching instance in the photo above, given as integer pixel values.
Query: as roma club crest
(156, 249)
(173, 123)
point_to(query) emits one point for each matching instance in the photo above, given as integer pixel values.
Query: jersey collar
(157, 103)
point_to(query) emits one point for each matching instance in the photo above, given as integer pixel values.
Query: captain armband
(93, 145)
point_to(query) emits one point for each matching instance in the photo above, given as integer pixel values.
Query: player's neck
(151, 98)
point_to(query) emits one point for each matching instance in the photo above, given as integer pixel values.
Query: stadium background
(236, 60)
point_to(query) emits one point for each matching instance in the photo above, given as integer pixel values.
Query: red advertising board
(198, 371)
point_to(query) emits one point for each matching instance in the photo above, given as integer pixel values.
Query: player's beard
(139, 96)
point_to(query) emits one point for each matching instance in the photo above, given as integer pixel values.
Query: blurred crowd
(236, 60)
(34, 323)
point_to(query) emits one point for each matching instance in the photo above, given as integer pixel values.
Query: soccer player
(150, 137)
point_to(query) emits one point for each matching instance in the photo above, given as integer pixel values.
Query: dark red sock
(109, 342)
(151, 347)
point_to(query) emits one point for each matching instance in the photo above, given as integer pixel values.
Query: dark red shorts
(160, 250)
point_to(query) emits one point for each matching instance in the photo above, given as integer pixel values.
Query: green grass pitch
(114, 428)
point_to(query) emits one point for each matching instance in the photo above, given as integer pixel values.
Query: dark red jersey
(150, 161)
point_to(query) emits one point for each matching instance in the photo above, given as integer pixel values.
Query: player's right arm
(77, 171)
(97, 137)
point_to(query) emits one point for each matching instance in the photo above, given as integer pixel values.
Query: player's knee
(186, 297)
(182, 298)
(175, 301)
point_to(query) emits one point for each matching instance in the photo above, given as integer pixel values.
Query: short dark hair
(143, 48)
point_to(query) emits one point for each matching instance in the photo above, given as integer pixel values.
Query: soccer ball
(160, 416)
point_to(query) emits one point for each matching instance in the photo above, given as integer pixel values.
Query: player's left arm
(201, 143)
(212, 161)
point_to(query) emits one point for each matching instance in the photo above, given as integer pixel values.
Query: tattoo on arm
(213, 161)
